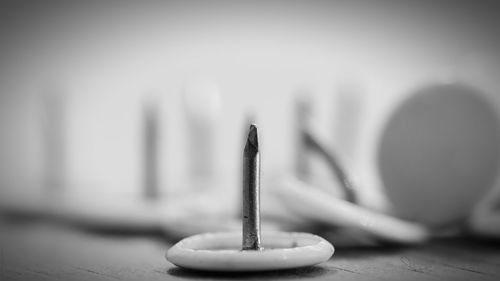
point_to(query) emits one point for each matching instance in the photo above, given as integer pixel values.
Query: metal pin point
(251, 196)
(249, 119)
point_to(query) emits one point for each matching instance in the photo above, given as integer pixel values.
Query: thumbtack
(235, 251)
(307, 142)
(333, 162)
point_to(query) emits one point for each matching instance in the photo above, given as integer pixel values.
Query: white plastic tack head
(235, 251)
(221, 252)
(363, 225)
(441, 144)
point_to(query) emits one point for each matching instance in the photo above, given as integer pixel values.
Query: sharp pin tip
(253, 136)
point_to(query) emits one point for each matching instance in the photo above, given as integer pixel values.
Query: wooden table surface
(44, 251)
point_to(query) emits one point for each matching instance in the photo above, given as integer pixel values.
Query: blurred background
(78, 80)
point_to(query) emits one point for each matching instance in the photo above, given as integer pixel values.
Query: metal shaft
(251, 192)
(151, 190)
(335, 165)
(303, 109)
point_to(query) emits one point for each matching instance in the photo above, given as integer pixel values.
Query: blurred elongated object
(54, 140)
(151, 148)
(302, 125)
(202, 106)
(439, 153)
(31, 131)
(338, 170)
(349, 99)
(319, 208)
(52, 105)
(308, 143)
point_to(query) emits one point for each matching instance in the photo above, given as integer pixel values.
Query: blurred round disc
(439, 153)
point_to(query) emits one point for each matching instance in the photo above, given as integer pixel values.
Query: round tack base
(222, 252)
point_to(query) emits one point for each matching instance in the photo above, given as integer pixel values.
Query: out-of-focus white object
(439, 153)
(151, 135)
(202, 105)
(349, 99)
(104, 210)
(52, 104)
(310, 145)
(316, 206)
(334, 209)
(177, 217)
